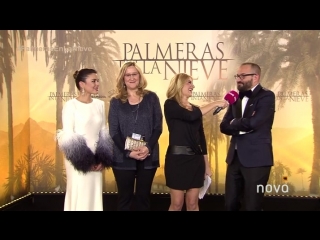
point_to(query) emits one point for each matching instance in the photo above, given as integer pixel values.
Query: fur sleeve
(104, 150)
(75, 148)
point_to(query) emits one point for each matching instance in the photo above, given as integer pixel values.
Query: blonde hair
(175, 86)
(121, 90)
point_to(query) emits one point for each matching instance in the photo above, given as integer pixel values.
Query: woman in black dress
(186, 162)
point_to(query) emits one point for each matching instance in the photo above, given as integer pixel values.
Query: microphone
(231, 97)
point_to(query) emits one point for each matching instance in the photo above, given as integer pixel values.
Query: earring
(82, 92)
(124, 86)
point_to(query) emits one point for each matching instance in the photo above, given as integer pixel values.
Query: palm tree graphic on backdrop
(278, 173)
(214, 136)
(9, 40)
(103, 50)
(33, 170)
(218, 87)
(301, 171)
(291, 57)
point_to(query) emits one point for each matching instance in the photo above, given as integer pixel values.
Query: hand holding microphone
(231, 97)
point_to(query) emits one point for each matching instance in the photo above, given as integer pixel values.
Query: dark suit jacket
(255, 148)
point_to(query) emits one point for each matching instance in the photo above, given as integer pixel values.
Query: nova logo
(272, 188)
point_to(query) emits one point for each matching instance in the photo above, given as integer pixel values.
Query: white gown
(83, 190)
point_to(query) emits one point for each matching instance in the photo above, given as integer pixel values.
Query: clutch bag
(132, 143)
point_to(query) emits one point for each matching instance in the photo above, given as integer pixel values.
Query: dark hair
(81, 76)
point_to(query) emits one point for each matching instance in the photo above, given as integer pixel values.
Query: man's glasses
(131, 75)
(242, 76)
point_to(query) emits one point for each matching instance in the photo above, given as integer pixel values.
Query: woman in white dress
(86, 144)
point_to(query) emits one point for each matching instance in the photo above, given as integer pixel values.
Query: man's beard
(245, 86)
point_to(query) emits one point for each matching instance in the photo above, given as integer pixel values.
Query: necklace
(134, 101)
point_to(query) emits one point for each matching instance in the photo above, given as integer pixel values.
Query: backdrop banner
(39, 81)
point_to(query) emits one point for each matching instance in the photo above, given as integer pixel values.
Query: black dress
(183, 172)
